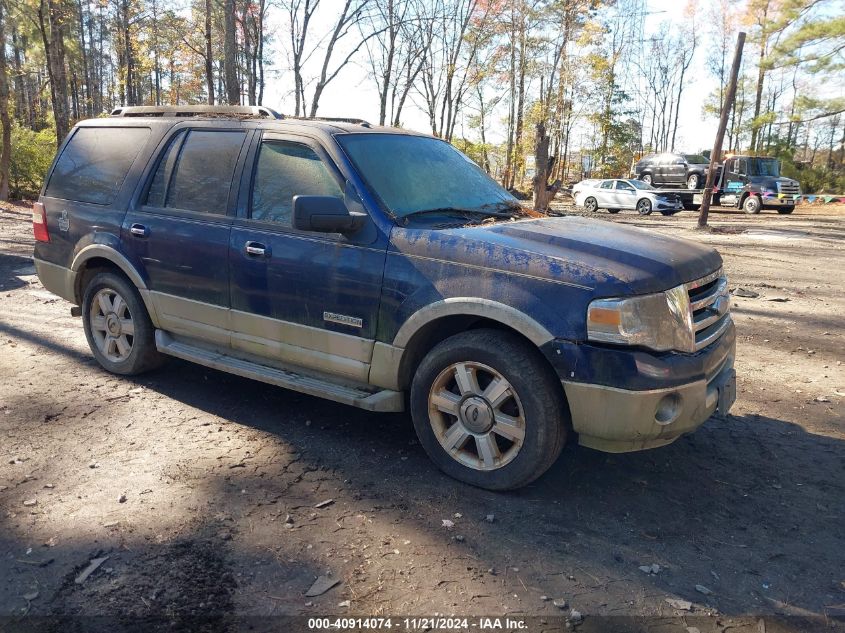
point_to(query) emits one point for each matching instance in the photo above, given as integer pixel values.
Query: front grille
(788, 187)
(710, 304)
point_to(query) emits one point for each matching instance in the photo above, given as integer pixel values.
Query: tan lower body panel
(620, 421)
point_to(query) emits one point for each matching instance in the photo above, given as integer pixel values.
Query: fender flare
(493, 310)
(118, 259)
(114, 256)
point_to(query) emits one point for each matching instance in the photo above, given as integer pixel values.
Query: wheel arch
(96, 258)
(435, 323)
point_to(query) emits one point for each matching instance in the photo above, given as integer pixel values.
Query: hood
(608, 259)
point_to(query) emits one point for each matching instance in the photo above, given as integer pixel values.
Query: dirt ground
(212, 495)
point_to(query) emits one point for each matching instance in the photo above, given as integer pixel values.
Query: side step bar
(382, 401)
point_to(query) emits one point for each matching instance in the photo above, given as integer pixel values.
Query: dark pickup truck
(384, 270)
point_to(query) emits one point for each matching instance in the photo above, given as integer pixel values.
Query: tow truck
(750, 183)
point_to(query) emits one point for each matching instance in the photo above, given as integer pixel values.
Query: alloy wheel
(476, 415)
(644, 207)
(111, 325)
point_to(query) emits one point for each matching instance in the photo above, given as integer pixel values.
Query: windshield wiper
(484, 210)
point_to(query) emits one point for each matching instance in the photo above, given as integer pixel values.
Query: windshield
(418, 173)
(639, 184)
(696, 159)
(764, 167)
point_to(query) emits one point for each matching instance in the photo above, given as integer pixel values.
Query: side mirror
(325, 214)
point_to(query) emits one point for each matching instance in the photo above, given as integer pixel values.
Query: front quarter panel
(414, 281)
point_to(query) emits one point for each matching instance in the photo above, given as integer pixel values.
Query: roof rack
(258, 112)
(329, 119)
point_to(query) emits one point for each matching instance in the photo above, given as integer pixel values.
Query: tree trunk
(761, 77)
(54, 46)
(5, 121)
(541, 169)
(262, 8)
(230, 55)
(209, 66)
(83, 51)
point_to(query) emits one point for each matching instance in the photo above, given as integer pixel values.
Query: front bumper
(635, 400)
(668, 205)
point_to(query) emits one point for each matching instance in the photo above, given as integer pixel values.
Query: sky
(353, 93)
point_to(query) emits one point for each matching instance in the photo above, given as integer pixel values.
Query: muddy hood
(607, 258)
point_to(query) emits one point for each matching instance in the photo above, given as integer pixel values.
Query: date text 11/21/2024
(433, 623)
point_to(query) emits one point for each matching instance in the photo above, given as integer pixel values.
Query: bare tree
(395, 52)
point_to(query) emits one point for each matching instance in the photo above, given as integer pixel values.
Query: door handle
(257, 249)
(139, 230)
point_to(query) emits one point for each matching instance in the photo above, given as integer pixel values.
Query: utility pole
(720, 134)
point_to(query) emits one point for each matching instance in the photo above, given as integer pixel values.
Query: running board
(382, 401)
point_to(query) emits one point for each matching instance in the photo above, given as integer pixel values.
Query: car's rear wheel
(785, 210)
(644, 206)
(488, 410)
(752, 205)
(646, 178)
(117, 326)
(693, 181)
(591, 205)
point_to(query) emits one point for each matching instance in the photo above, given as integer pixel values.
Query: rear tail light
(39, 223)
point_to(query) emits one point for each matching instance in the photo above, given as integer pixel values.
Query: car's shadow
(750, 505)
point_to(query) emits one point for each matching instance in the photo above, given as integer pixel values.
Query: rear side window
(607, 184)
(95, 162)
(200, 177)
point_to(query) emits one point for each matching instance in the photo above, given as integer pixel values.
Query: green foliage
(32, 153)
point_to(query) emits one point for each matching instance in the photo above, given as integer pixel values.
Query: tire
(591, 205)
(445, 413)
(644, 206)
(785, 210)
(647, 179)
(111, 306)
(752, 205)
(668, 212)
(614, 211)
(693, 181)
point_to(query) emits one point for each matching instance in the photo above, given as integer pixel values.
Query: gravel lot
(201, 488)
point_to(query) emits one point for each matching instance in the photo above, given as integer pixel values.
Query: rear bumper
(635, 400)
(57, 279)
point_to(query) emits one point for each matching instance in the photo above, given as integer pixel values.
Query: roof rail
(259, 112)
(329, 119)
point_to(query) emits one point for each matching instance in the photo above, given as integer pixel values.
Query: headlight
(661, 321)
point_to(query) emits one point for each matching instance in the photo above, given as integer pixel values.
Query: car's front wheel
(644, 206)
(117, 326)
(694, 181)
(591, 205)
(488, 410)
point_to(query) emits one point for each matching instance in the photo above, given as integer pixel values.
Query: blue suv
(381, 269)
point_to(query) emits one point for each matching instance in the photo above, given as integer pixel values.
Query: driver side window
(285, 170)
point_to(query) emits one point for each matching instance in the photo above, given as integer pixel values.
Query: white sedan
(616, 194)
